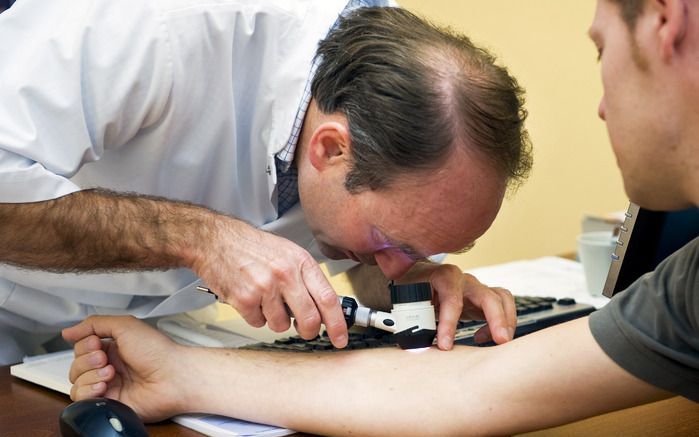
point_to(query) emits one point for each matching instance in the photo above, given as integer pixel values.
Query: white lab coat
(185, 99)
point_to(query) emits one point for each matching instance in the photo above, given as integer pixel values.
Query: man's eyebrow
(410, 251)
(593, 34)
(407, 249)
(415, 255)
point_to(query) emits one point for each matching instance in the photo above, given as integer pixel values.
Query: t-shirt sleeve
(77, 77)
(652, 328)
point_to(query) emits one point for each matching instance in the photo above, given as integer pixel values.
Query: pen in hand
(206, 290)
(353, 313)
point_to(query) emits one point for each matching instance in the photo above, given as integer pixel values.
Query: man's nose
(393, 263)
(600, 110)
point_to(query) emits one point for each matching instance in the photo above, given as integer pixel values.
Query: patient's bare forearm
(99, 230)
(468, 391)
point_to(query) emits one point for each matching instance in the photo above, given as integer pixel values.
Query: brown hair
(630, 10)
(411, 91)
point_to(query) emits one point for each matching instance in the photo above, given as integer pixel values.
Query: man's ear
(672, 26)
(329, 145)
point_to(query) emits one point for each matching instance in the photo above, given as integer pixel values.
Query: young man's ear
(329, 145)
(672, 25)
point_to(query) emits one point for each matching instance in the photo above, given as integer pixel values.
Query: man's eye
(599, 54)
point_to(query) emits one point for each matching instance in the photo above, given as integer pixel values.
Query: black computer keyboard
(533, 314)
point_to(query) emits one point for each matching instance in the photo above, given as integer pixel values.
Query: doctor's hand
(125, 359)
(258, 273)
(458, 295)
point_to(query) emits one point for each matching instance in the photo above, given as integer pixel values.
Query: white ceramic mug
(595, 253)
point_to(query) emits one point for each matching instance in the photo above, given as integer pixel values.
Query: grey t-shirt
(652, 328)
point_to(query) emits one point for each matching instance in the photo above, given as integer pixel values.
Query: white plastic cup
(595, 252)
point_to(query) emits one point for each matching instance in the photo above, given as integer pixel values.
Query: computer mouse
(100, 417)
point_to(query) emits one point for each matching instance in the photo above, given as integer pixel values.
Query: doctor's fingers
(451, 304)
(275, 312)
(327, 302)
(509, 306)
(307, 318)
(500, 313)
(92, 383)
(248, 304)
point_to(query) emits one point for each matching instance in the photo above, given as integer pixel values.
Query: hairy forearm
(372, 392)
(534, 382)
(99, 230)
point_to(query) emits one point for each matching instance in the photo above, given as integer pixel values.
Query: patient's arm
(547, 378)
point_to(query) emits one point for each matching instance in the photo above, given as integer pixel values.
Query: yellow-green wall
(544, 43)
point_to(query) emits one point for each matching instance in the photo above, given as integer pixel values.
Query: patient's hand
(125, 359)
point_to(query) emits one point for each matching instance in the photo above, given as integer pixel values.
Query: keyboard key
(566, 301)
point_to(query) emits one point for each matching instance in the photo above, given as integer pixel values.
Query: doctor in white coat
(147, 147)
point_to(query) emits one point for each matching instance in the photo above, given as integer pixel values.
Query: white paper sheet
(546, 276)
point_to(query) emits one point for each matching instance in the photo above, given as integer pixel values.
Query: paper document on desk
(547, 276)
(220, 426)
(51, 371)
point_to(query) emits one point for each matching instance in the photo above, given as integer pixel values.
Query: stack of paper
(547, 276)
